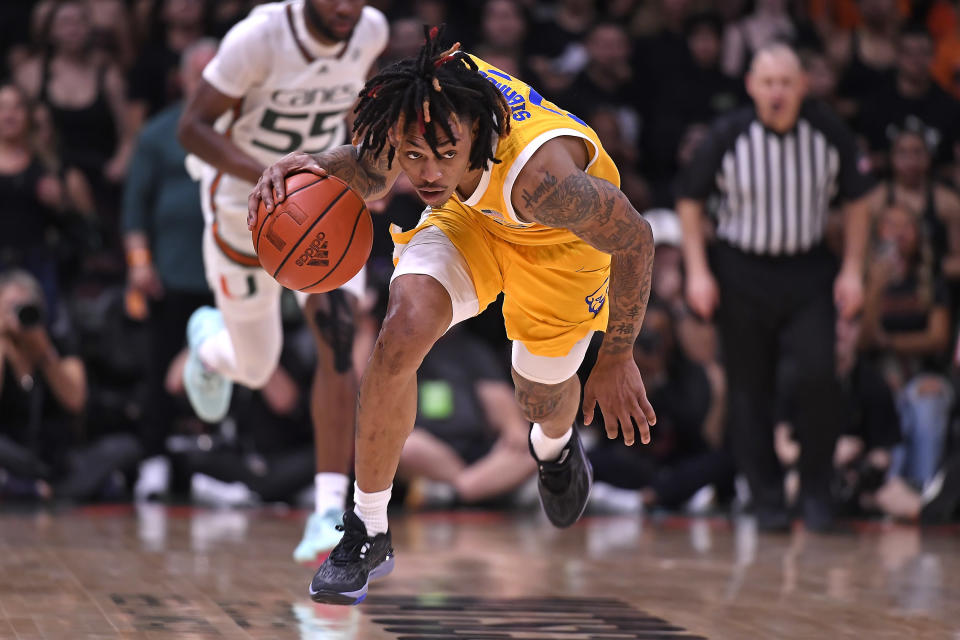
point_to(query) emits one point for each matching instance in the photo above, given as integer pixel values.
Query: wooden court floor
(161, 573)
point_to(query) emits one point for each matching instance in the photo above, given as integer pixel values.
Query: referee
(775, 288)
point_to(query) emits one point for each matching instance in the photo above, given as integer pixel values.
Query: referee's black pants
(777, 313)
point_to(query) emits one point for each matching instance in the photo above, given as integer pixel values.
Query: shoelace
(210, 381)
(556, 476)
(349, 547)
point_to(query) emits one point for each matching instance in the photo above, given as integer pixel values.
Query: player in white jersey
(284, 79)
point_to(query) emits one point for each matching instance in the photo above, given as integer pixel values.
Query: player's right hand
(703, 294)
(271, 187)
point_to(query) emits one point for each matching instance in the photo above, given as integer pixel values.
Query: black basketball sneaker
(565, 483)
(355, 561)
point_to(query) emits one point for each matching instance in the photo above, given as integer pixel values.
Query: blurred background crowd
(91, 326)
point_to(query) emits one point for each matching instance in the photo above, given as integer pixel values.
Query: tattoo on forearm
(630, 276)
(600, 214)
(367, 176)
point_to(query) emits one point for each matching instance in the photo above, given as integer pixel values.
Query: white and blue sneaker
(208, 391)
(320, 535)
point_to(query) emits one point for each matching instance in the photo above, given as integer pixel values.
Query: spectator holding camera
(43, 389)
(906, 326)
(46, 449)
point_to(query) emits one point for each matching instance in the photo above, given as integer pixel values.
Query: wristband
(139, 257)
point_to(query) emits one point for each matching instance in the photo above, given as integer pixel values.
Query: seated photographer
(470, 440)
(44, 451)
(43, 391)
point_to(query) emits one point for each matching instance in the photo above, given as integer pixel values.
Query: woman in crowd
(906, 326)
(866, 54)
(936, 206)
(31, 194)
(85, 93)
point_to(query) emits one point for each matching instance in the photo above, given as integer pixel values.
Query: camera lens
(29, 315)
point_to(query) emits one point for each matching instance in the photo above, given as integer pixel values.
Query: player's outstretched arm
(369, 176)
(553, 189)
(196, 133)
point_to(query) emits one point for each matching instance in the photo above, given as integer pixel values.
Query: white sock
(372, 509)
(331, 491)
(217, 353)
(548, 449)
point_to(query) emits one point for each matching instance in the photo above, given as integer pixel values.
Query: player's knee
(332, 317)
(416, 318)
(256, 379)
(255, 369)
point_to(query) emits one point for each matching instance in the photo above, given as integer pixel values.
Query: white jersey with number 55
(294, 93)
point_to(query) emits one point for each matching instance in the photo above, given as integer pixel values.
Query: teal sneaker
(208, 391)
(320, 535)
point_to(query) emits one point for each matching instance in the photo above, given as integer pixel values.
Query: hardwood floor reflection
(153, 572)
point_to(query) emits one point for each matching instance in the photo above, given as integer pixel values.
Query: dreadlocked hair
(436, 90)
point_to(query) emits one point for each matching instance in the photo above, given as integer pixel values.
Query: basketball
(318, 238)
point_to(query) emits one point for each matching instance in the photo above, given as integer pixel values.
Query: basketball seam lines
(256, 245)
(309, 229)
(343, 255)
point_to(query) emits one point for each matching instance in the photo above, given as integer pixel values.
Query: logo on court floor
(446, 617)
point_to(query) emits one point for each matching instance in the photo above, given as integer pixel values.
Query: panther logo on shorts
(598, 298)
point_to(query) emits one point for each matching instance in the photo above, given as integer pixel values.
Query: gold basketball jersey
(533, 121)
(554, 284)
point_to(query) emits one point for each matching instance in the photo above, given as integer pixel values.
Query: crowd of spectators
(100, 260)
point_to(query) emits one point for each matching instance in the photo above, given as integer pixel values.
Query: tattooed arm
(368, 176)
(553, 190)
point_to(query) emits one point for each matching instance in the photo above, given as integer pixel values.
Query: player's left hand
(848, 293)
(271, 189)
(615, 385)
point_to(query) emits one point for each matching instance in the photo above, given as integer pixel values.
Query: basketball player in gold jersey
(523, 199)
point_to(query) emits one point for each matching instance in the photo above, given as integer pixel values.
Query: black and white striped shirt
(775, 189)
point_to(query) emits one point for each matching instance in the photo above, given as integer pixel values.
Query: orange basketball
(318, 238)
